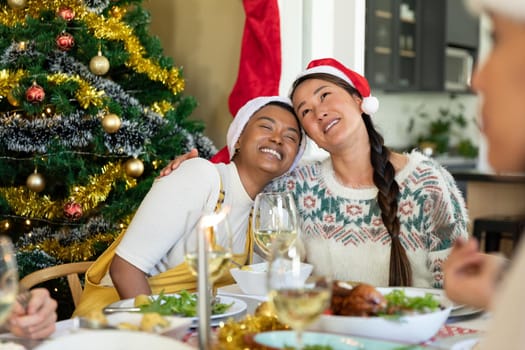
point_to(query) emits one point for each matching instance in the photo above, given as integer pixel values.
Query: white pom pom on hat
(510, 8)
(370, 104)
(244, 115)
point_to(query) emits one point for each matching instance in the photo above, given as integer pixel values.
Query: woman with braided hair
(368, 214)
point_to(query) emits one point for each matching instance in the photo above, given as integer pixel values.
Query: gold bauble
(99, 64)
(111, 123)
(17, 4)
(12, 100)
(36, 182)
(134, 167)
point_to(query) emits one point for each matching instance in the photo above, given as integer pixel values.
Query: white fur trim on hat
(512, 8)
(327, 70)
(244, 115)
(369, 104)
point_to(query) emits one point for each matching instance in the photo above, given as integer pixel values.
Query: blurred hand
(175, 163)
(470, 276)
(37, 321)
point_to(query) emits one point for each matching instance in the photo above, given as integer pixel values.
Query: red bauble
(65, 41)
(66, 13)
(72, 211)
(35, 93)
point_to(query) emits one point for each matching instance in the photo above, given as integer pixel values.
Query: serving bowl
(411, 328)
(252, 278)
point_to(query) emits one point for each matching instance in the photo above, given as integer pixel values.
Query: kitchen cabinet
(407, 40)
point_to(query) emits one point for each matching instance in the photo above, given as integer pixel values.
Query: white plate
(112, 340)
(237, 308)
(177, 328)
(408, 329)
(463, 310)
(280, 339)
(458, 310)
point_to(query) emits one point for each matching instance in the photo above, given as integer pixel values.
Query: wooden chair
(70, 271)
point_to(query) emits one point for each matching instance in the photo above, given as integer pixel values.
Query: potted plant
(448, 123)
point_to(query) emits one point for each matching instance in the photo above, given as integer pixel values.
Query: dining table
(463, 328)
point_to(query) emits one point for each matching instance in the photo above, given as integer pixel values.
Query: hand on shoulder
(175, 163)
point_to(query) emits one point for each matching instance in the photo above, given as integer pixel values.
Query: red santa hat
(246, 112)
(370, 104)
(510, 8)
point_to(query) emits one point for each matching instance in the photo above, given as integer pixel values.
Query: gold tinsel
(9, 79)
(161, 107)
(117, 12)
(103, 28)
(232, 335)
(99, 186)
(27, 203)
(114, 29)
(78, 251)
(86, 94)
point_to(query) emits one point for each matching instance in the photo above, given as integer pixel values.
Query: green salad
(183, 304)
(399, 304)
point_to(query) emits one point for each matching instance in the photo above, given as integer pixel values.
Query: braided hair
(400, 271)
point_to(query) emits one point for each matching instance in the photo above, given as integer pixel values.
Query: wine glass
(274, 215)
(8, 277)
(218, 236)
(298, 300)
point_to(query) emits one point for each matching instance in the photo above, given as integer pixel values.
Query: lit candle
(203, 285)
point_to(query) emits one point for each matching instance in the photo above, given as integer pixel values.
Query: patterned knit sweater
(344, 234)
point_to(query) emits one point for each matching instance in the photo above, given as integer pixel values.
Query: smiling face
(329, 114)
(270, 141)
(501, 83)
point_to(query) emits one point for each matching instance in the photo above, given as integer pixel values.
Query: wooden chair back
(71, 271)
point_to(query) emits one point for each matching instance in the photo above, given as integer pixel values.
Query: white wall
(395, 111)
(320, 28)
(336, 28)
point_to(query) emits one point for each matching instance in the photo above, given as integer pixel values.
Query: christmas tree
(90, 110)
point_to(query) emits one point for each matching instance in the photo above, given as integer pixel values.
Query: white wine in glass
(219, 239)
(8, 277)
(297, 301)
(274, 215)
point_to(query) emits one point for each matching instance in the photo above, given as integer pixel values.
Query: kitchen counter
(489, 194)
(478, 176)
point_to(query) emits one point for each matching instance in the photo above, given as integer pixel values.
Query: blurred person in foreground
(472, 277)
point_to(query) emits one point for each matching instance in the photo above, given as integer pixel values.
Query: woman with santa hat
(368, 214)
(264, 141)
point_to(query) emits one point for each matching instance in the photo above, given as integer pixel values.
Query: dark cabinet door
(462, 28)
(380, 42)
(406, 42)
(391, 44)
(432, 44)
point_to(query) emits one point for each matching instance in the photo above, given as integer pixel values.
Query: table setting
(275, 304)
